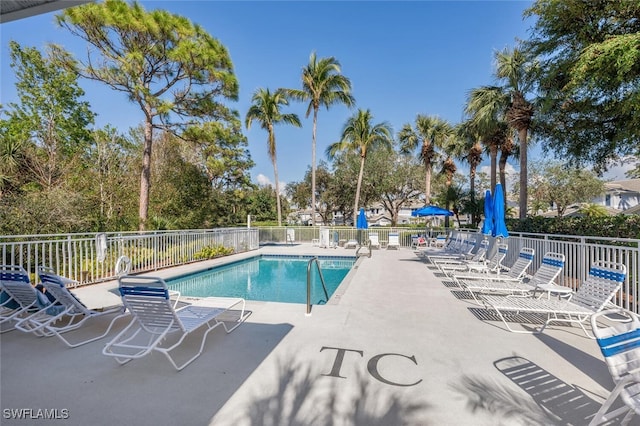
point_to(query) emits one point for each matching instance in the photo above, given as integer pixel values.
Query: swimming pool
(272, 278)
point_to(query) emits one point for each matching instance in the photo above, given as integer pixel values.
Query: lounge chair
(513, 281)
(440, 241)
(619, 342)
(373, 239)
(70, 315)
(21, 298)
(352, 243)
(419, 242)
(394, 241)
(515, 272)
(464, 250)
(601, 285)
(155, 320)
(449, 266)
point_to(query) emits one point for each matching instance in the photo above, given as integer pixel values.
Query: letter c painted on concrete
(372, 367)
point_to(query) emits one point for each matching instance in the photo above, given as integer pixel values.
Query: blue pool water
(267, 278)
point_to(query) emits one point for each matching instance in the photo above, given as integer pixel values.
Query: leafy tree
(12, 155)
(590, 62)
(50, 116)
(322, 85)
(429, 134)
(557, 177)
(399, 179)
(593, 210)
(301, 191)
(220, 150)
(172, 69)
(183, 197)
(360, 135)
(266, 110)
(109, 181)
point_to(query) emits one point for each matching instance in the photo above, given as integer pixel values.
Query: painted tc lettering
(372, 365)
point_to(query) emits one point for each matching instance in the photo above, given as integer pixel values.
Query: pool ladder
(324, 287)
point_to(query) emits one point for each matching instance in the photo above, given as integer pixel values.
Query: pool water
(267, 278)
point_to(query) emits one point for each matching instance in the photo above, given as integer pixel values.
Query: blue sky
(403, 59)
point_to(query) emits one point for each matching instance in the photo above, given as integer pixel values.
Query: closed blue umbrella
(487, 225)
(499, 226)
(362, 220)
(361, 223)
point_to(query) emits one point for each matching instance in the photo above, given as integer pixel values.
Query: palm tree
(359, 136)
(485, 107)
(430, 133)
(472, 154)
(322, 85)
(266, 110)
(507, 149)
(517, 69)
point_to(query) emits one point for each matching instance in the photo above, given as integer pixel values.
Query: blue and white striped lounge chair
(157, 326)
(20, 297)
(600, 286)
(394, 241)
(69, 314)
(619, 342)
(512, 281)
(373, 240)
(515, 272)
(450, 266)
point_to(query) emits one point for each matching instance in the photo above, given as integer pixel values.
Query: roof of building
(628, 185)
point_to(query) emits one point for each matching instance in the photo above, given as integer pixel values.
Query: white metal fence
(90, 258)
(580, 252)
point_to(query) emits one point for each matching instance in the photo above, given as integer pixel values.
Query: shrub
(210, 252)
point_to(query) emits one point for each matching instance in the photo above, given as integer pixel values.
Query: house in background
(620, 194)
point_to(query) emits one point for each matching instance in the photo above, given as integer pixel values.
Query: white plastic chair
(70, 315)
(22, 298)
(155, 320)
(619, 342)
(601, 285)
(394, 241)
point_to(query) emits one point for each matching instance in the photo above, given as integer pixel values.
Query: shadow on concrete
(302, 397)
(550, 401)
(42, 373)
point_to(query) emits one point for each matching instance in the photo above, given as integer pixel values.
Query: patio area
(396, 345)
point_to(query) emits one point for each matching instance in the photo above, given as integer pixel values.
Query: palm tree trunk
(493, 154)
(145, 175)
(278, 206)
(358, 186)
(313, 168)
(427, 183)
(522, 135)
(472, 191)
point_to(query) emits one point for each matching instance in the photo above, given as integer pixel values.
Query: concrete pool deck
(397, 346)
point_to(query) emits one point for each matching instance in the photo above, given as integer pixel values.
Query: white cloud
(262, 180)
(512, 174)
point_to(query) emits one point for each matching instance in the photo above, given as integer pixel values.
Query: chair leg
(603, 416)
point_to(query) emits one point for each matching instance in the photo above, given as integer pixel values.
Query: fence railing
(580, 252)
(91, 258)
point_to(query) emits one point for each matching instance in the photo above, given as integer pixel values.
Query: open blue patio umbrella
(361, 223)
(499, 225)
(487, 225)
(431, 211)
